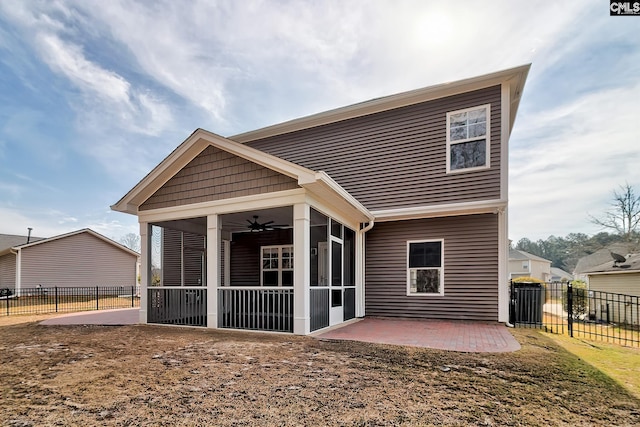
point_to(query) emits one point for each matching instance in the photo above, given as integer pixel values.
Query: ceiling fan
(265, 226)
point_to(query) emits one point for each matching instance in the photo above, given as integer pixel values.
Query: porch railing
(177, 306)
(261, 309)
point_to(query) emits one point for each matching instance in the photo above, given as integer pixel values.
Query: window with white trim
(468, 139)
(276, 267)
(425, 261)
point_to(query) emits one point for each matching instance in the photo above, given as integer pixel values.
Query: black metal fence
(42, 300)
(576, 311)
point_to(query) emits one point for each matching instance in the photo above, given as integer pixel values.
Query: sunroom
(235, 238)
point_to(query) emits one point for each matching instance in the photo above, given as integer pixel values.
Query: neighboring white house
(616, 277)
(77, 259)
(621, 282)
(559, 275)
(524, 264)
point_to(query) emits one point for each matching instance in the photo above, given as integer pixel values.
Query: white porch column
(503, 266)
(213, 269)
(301, 265)
(360, 246)
(145, 269)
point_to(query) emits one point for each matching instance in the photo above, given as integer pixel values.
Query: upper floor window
(468, 139)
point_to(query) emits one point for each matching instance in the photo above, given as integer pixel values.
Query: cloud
(54, 222)
(142, 75)
(566, 161)
(57, 32)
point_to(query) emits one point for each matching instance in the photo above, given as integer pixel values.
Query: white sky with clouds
(94, 94)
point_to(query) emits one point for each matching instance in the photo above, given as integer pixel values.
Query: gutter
(368, 227)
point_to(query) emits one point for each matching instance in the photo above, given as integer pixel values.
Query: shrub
(526, 280)
(580, 299)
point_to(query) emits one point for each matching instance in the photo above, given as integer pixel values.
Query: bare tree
(132, 241)
(624, 215)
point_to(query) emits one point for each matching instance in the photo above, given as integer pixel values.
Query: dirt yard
(169, 376)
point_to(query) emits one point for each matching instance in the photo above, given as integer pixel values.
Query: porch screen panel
(193, 259)
(349, 249)
(318, 260)
(171, 257)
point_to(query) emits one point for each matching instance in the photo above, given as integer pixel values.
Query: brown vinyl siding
(182, 256)
(470, 268)
(76, 261)
(8, 271)
(396, 158)
(245, 254)
(215, 174)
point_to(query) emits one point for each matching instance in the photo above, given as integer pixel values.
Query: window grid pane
(468, 154)
(425, 254)
(425, 281)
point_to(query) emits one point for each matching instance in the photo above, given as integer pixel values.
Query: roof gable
(317, 182)
(516, 254)
(74, 233)
(215, 174)
(514, 78)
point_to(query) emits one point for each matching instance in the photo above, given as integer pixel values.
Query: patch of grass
(618, 362)
(151, 375)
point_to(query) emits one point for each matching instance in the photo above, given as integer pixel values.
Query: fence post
(55, 292)
(570, 309)
(97, 300)
(7, 303)
(132, 297)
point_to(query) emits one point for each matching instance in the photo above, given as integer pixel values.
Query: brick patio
(464, 336)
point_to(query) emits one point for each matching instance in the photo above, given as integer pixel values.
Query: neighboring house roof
(317, 182)
(40, 241)
(516, 254)
(8, 241)
(631, 265)
(558, 274)
(601, 256)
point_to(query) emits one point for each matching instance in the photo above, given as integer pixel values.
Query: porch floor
(452, 335)
(116, 317)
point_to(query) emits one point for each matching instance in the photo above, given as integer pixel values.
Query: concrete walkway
(464, 336)
(480, 337)
(119, 317)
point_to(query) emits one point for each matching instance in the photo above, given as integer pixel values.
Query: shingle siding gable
(215, 175)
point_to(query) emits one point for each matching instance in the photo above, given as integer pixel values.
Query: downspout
(17, 284)
(368, 227)
(363, 231)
